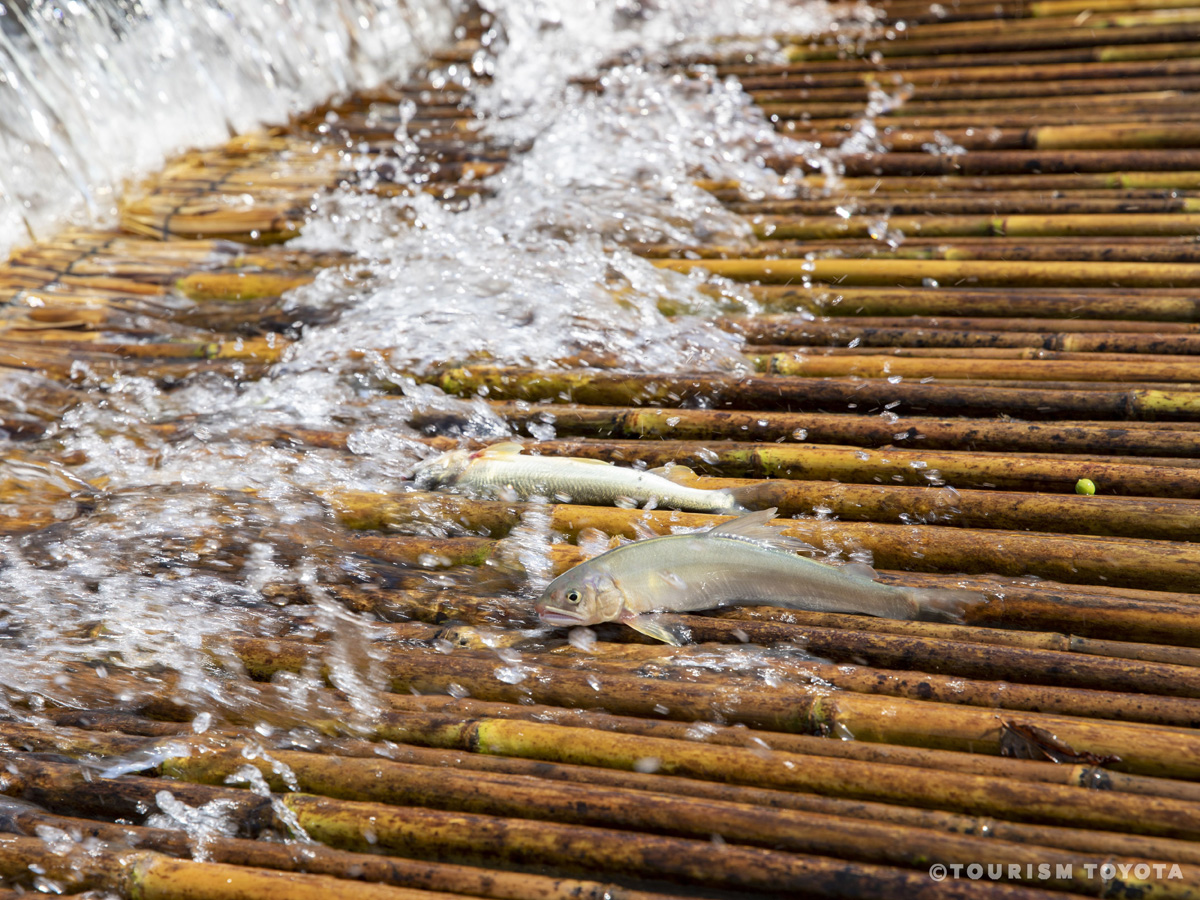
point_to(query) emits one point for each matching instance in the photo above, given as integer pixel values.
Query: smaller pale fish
(746, 561)
(502, 470)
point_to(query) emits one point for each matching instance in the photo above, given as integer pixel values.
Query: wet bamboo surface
(993, 304)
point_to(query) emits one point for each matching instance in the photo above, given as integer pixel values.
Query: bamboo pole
(787, 101)
(1010, 249)
(865, 73)
(966, 203)
(1014, 225)
(229, 286)
(904, 785)
(889, 366)
(152, 876)
(812, 462)
(527, 797)
(1168, 519)
(1143, 749)
(1048, 37)
(581, 848)
(518, 842)
(998, 273)
(1104, 336)
(846, 428)
(767, 392)
(314, 859)
(1164, 304)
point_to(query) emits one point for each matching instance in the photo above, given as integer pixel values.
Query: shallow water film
(335, 332)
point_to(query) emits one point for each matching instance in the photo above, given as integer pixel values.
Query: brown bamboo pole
(766, 392)
(1014, 225)
(785, 100)
(1050, 836)
(315, 859)
(966, 203)
(582, 848)
(1037, 640)
(904, 785)
(1101, 53)
(228, 286)
(152, 876)
(847, 428)
(888, 366)
(1104, 336)
(662, 813)
(810, 462)
(1049, 37)
(997, 273)
(1161, 519)
(1177, 64)
(893, 185)
(1164, 304)
(1174, 250)
(1143, 749)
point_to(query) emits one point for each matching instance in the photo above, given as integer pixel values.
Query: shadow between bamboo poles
(776, 392)
(466, 836)
(519, 796)
(1144, 749)
(314, 859)
(839, 428)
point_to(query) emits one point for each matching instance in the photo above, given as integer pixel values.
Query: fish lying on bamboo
(501, 470)
(745, 561)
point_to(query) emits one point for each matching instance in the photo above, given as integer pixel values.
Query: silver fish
(502, 469)
(744, 561)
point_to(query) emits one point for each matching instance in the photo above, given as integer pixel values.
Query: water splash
(93, 92)
(191, 508)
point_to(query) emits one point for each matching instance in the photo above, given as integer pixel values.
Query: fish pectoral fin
(859, 570)
(643, 530)
(757, 527)
(676, 473)
(655, 627)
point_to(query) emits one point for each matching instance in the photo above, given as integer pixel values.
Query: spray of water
(177, 543)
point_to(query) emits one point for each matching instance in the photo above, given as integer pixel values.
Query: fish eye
(573, 596)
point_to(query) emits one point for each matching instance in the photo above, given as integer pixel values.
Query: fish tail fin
(940, 605)
(752, 496)
(734, 505)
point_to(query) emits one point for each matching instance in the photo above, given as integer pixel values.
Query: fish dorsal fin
(588, 462)
(507, 448)
(757, 528)
(860, 571)
(676, 473)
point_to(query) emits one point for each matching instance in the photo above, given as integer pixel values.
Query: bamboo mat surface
(993, 308)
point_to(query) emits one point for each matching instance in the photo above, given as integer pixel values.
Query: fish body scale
(587, 483)
(693, 572)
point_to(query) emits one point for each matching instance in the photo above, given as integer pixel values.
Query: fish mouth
(552, 616)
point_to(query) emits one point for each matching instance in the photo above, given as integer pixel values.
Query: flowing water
(172, 541)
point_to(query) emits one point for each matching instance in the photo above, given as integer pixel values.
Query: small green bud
(1085, 486)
